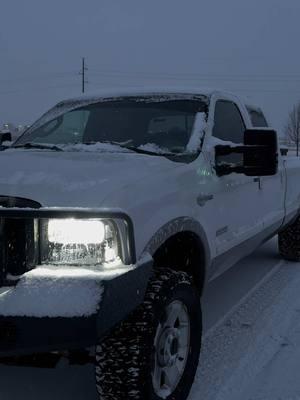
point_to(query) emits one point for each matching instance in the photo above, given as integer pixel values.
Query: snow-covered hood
(74, 179)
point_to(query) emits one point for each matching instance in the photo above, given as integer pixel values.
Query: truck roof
(175, 92)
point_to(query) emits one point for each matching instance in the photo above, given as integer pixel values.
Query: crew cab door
(272, 188)
(236, 197)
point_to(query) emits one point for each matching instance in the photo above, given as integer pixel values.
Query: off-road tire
(289, 242)
(124, 359)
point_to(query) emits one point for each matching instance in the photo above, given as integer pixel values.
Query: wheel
(289, 242)
(154, 354)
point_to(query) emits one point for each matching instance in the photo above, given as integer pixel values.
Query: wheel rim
(171, 346)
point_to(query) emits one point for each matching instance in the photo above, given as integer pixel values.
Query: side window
(228, 122)
(229, 126)
(257, 118)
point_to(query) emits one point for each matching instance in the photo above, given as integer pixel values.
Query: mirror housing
(259, 154)
(5, 137)
(284, 150)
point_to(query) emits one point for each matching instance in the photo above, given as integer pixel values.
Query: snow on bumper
(53, 308)
(49, 291)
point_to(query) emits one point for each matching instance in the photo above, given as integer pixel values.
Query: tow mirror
(5, 137)
(259, 155)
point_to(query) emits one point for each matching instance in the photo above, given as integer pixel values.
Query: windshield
(150, 125)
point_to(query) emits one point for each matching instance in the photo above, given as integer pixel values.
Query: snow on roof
(143, 92)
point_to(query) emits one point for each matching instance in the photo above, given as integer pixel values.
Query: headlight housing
(84, 242)
(93, 237)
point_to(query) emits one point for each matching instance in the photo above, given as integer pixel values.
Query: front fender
(175, 226)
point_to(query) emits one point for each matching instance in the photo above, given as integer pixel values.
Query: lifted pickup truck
(115, 210)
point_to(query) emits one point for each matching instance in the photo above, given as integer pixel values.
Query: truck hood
(75, 179)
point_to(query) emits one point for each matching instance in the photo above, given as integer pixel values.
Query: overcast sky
(249, 47)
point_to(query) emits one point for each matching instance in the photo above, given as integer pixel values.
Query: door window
(229, 126)
(228, 122)
(257, 118)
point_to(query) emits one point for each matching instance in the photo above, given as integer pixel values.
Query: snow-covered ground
(253, 351)
(251, 346)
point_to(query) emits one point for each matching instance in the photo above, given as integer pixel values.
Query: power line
(140, 85)
(30, 79)
(160, 75)
(260, 83)
(38, 89)
(203, 79)
(254, 78)
(206, 80)
(246, 76)
(196, 84)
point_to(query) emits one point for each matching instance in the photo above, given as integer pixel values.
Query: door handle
(258, 180)
(203, 198)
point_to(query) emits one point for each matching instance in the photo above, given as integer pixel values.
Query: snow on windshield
(197, 133)
(95, 147)
(154, 148)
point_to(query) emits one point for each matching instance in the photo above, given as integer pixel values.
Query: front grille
(8, 333)
(18, 240)
(20, 245)
(2, 251)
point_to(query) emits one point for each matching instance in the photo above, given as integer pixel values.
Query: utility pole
(296, 111)
(82, 73)
(297, 146)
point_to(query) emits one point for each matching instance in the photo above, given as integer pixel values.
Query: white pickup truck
(115, 210)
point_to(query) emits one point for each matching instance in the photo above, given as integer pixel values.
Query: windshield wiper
(37, 146)
(142, 151)
(132, 148)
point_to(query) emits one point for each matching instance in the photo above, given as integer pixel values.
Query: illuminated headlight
(79, 242)
(72, 231)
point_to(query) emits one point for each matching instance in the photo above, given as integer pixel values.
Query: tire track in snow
(234, 337)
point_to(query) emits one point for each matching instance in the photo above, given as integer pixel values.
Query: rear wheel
(289, 242)
(154, 353)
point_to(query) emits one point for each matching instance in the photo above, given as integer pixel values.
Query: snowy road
(253, 351)
(251, 346)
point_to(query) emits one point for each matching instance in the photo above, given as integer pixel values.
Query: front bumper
(39, 316)
(121, 295)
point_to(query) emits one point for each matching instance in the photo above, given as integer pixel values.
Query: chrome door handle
(203, 198)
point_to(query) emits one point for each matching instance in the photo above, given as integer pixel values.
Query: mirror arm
(228, 169)
(227, 150)
(222, 170)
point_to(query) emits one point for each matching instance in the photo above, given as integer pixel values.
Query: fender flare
(178, 225)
